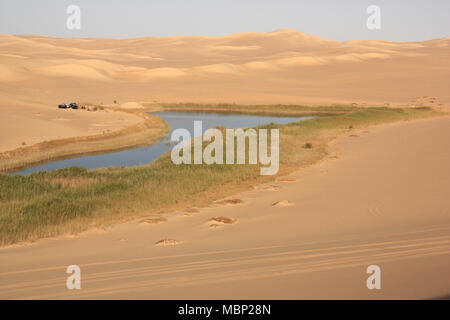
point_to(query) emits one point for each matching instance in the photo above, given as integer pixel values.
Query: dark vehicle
(72, 105)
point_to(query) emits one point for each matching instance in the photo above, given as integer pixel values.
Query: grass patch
(287, 110)
(71, 200)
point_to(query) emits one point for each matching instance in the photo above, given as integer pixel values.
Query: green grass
(71, 200)
(288, 110)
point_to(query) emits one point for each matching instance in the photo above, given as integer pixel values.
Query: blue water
(144, 155)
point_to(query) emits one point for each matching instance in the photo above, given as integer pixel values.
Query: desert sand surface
(380, 198)
(285, 66)
(22, 125)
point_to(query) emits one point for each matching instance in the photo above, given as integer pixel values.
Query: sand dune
(25, 124)
(297, 60)
(73, 70)
(367, 207)
(284, 66)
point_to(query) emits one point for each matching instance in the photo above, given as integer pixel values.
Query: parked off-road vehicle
(72, 105)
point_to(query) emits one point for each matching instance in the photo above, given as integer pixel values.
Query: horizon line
(216, 36)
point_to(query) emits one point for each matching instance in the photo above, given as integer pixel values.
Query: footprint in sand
(287, 179)
(192, 210)
(184, 214)
(153, 220)
(167, 242)
(220, 221)
(354, 136)
(101, 229)
(188, 212)
(267, 188)
(230, 202)
(225, 220)
(282, 203)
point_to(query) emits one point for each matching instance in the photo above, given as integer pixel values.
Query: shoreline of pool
(146, 153)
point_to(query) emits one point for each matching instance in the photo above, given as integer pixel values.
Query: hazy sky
(401, 20)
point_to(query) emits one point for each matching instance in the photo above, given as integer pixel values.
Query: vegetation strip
(72, 200)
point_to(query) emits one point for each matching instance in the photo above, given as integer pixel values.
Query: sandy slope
(284, 66)
(380, 198)
(27, 124)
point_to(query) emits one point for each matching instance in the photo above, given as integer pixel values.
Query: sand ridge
(284, 66)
